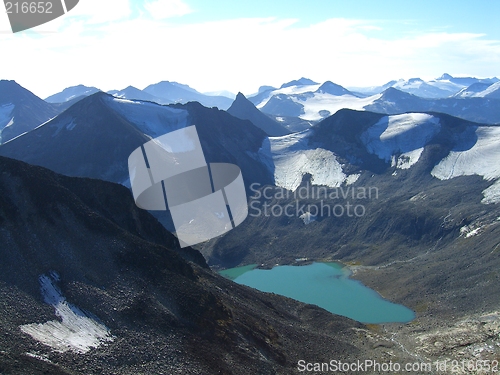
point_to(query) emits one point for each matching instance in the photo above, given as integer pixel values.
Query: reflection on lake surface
(324, 284)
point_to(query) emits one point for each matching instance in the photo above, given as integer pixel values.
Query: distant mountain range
(442, 87)
(164, 92)
(311, 102)
(96, 135)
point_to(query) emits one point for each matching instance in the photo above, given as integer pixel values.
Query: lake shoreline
(326, 284)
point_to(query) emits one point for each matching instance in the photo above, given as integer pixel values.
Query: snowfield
(291, 158)
(401, 138)
(482, 158)
(76, 331)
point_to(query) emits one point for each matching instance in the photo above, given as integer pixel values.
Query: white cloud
(237, 55)
(101, 11)
(161, 9)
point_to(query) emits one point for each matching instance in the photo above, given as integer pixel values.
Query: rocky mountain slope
(413, 190)
(90, 284)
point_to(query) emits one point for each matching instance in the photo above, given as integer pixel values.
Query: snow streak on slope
(291, 158)
(6, 118)
(482, 158)
(489, 90)
(402, 136)
(77, 331)
(152, 119)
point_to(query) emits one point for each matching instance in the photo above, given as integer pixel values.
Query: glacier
(482, 159)
(291, 158)
(401, 138)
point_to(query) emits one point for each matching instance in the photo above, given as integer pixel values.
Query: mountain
(481, 90)
(472, 90)
(21, 110)
(418, 87)
(262, 94)
(71, 93)
(303, 104)
(479, 109)
(132, 92)
(90, 284)
(299, 82)
(244, 109)
(95, 137)
(173, 92)
(300, 103)
(402, 156)
(333, 89)
(465, 81)
(439, 88)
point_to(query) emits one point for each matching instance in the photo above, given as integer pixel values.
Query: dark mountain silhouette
(245, 110)
(95, 137)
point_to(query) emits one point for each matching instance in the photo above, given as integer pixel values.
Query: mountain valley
(402, 189)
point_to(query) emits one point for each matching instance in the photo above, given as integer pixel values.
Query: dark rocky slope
(166, 311)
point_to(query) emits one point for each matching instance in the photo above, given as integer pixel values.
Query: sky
(240, 45)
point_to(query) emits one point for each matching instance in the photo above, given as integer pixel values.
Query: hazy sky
(241, 45)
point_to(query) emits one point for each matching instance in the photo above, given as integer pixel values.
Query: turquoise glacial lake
(326, 285)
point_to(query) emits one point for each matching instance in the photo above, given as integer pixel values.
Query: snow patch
(351, 179)
(403, 135)
(290, 157)
(151, 118)
(407, 159)
(307, 218)
(482, 159)
(468, 231)
(492, 194)
(77, 331)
